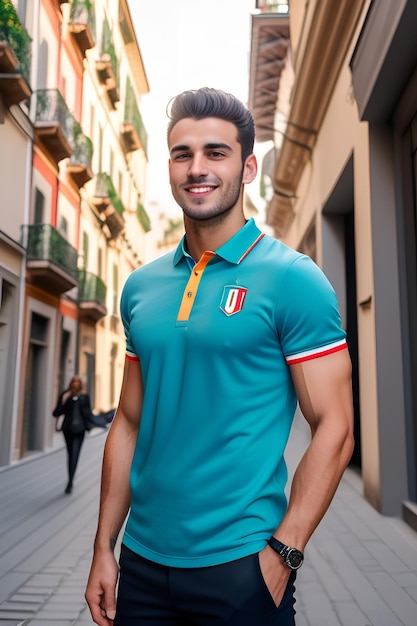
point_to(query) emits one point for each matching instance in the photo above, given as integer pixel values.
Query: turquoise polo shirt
(215, 340)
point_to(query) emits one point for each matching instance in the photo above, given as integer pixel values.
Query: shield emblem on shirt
(232, 299)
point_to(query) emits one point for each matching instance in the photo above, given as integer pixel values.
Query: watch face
(294, 559)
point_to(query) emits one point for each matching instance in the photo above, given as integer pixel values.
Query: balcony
(108, 204)
(54, 124)
(133, 130)
(81, 24)
(14, 56)
(107, 77)
(91, 297)
(107, 66)
(143, 217)
(51, 262)
(79, 165)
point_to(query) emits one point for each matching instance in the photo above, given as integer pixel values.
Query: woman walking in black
(74, 404)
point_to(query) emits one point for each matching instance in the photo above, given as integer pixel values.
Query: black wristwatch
(292, 557)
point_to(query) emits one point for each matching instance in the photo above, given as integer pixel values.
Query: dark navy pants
(73, 443)
(232, 594)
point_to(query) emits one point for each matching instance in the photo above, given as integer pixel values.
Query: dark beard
(220, 210)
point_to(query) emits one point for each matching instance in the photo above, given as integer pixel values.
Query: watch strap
(279, 547)
(293, 558)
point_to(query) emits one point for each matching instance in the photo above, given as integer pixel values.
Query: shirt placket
(191, 288)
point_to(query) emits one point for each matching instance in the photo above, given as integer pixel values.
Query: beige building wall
(344, 175)
(113, 258)
(15, 172)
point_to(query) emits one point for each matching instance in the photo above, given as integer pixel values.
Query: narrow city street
(360, 569)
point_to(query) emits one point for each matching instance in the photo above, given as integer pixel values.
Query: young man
(224, 335)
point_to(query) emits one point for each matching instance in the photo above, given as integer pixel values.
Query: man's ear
(250, 169)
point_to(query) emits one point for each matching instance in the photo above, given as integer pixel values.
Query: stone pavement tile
(408, 580)
(26, 597)
(387, 559)
(10, 582)
(85, 618)
(55, 614)
(42, 581)
(359, 585)
(350, 614)
(398, 600)
(20, 607)
(412, 592)
(49, 620)
(331, 583)
(315, 605)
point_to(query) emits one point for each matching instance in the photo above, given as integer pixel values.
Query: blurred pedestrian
(74, 404)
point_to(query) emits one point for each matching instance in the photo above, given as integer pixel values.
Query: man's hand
(101, 589)
(274, 572)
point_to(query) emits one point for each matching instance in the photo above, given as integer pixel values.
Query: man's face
(205, 167)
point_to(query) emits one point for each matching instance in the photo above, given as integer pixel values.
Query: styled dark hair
(208, 102)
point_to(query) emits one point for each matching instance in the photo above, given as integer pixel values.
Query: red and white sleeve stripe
(315, 353)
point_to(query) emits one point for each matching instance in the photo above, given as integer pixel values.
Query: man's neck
(210, 235)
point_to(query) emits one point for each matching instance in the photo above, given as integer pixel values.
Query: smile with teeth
(200, 189)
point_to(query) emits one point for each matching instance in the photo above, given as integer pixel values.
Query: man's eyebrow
(208, 146)
(213, 146)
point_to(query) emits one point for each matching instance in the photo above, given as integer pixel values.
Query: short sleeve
(125, 313)
(308, 318)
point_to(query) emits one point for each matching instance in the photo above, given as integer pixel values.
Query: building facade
(341, 116)
(72, 220)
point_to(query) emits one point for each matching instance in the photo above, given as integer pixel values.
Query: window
(100, 262)
(115, 290)
(38, 217)
(63, 226)
(85, 249)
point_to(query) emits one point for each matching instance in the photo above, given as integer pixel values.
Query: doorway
(339, 265)
(35, 391)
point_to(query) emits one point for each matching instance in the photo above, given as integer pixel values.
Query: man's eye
(215, 154)
(181, 156)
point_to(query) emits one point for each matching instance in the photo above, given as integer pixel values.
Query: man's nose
(198, 166)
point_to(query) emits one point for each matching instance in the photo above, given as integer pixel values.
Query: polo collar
(235, 249)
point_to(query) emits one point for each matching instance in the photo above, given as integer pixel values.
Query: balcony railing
(14, 56)
(106, 191)
(50, 258)
(54, 124)
(143, 217)
(107, 65)
(108, 203)
(91, 296)
(82, 25)
(133, 129)
(79, 165)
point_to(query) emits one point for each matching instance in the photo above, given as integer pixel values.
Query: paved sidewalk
(360, 568)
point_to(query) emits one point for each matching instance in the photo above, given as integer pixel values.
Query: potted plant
(12, 31)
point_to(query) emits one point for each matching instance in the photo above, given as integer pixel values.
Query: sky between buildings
(187, 44)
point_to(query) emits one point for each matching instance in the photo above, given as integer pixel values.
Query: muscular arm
(323, 387)
(115, 495)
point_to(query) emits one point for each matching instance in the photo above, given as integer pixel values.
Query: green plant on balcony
(91, 288)
(82, 12)
(12, 31)
(143, 217)
(106, 189)
(107, 48)
(51, 107)
(82, 147)
(45, 243)
(132, 115)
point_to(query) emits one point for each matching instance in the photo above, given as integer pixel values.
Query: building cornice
(317, 69)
